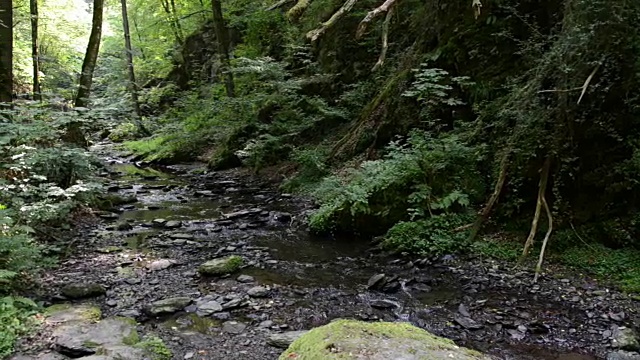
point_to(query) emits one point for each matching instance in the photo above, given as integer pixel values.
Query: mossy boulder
(83, 290)
(221, 266)
(350, 339)
(61, 313)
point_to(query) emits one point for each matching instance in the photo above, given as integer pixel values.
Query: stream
(149, 250)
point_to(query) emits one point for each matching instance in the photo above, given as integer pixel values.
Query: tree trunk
(132, 75)
(223, 46)
(37, 95)
(6, 51)
(173, 22)
(91, 56)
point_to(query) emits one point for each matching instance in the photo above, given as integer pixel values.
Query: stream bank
(149, 250)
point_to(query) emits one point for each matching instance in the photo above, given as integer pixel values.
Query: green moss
(346, 339)
(91, 344)
(88, 313)
(221, 266)
(193, 322)
(155, 348)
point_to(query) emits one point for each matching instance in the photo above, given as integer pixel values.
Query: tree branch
(315, 34)
(279, 4)
(384, 8)
(385, 39)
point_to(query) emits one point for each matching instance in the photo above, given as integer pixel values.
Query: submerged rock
(83, 290)
(350, 339)
(233, 327)
(258, 291)
(221, 266)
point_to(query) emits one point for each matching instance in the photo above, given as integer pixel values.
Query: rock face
(350, 339)
(221, 266)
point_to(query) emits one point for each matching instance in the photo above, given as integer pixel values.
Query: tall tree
(170, 8)
(6, 51)
(223, 46)
(132, 75)
(91, 56)
(37, 95)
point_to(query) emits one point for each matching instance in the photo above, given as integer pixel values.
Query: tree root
(484, 215)
(544, 177)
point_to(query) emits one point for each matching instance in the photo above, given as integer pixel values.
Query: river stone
(167, 306)
(160, 264)
(62, 313)
(182, 236)
(626, 339)
(158, 222)
(208, 308)
(233, 327)
(173, 224)
(623, 355)
(245, 279)
(258, 291)
(376, 281)
(283, 340)
(350, 339)
(77, 339)
(83, 290)
(42, 356)
(221, 266)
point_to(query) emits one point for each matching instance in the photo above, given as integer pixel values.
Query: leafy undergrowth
(17, 317)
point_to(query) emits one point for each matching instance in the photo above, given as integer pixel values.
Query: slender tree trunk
(173, 22)
(135, 25)
(37, 94)
(6, 51)
(91, 56)
(223, 46)
(177, 19)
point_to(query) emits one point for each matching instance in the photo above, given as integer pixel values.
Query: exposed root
(546, 239)
(315, 34)
(484, 215)
(544, 177)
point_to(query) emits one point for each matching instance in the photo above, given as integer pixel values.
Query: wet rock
(62, 313)
(232, 304)
(221, 266)
(258, 291)
(81, 339)
(623, 355)
(376, 281)
(173, 224)
(123, 226)
(283, 340)
(282, 217)
(245, 279)
(345, 339)
(208, 308)
(467, 323)
(158, 222)
(83, 290)
(167, 306)
(42, 356)
(160, 264)
(132, 313)
(625, 338)
(222, 316)
(242, 213)
(383, 304)
(233, 327)
(181, 236)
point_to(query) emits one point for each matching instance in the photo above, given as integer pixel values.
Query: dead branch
(477, 8)
(484, 215)
(586, 83)
(279, 4)
(315, 34)
(542, 187)
(298, 9)
(546, 239)
(384, 8)
(385, 41)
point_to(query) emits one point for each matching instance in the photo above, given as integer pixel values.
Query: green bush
(421, 179)
(18, 251)
(124, 131)
(16, 319)
(312, 168)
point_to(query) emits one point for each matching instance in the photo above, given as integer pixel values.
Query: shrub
(16, 319)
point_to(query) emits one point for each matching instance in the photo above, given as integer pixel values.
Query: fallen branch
(484, 215)
(542, 187)
(586, 83)
(315, 34)
(298, 9)
(385, 41)
(279, 4)
(546, 239)
(386, 7)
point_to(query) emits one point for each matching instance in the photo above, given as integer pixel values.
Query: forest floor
(180, 217)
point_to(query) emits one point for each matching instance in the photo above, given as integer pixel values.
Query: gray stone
(222, 316)
(189, 355)
(232, 304)
(182, 236)
(467, 323)
(221, 266)
(233, 327)
(376, 281)
(283, 340)
(77, 339)
(167, 306)
(173, 224)
(245, 279)
(63, 313)
(625, 338)
(258, 291)
(266, 324)
(158, 222)
(83, 290)
(160, 264)
(208, 308)
(42, 356)
(623, 355)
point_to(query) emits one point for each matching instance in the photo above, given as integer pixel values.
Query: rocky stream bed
(142, 261)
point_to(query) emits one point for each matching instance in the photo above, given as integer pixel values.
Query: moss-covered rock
(83, 290)
(221, 266)
(155, 348)
(350, 339)
(61, 313)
